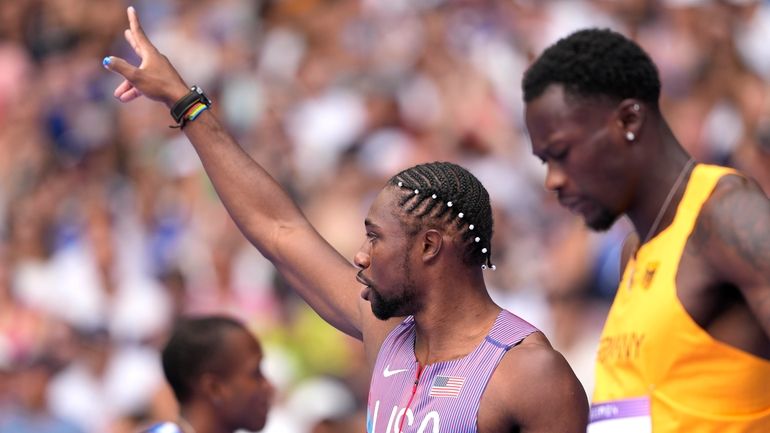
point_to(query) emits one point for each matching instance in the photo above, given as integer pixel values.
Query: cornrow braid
(445, 194)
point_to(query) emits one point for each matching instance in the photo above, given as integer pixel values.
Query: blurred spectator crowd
(110, 229)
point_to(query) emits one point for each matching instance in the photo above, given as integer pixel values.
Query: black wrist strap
(186, 102)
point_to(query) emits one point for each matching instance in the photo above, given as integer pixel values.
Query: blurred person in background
(686, 346)
(28, 411)
(213, 364)
(457, 360)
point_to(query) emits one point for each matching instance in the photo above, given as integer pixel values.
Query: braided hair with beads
(443, 194)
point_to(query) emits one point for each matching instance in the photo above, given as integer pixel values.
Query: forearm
(256, 202)
(273, 223)
(260, 207)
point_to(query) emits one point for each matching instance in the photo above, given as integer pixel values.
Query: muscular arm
(536, 391)
(734, 228)
(271, 221)
(260, 207)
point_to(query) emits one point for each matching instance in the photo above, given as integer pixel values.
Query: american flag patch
(446, 386)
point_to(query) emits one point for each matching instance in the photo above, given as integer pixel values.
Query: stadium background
(110, 229)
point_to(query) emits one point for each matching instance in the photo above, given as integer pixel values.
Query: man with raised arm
(443, 356)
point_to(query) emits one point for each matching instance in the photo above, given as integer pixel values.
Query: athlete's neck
(669, 175)
(453, 331)
(199, 417)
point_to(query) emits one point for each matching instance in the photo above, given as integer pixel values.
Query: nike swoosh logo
(388, 372)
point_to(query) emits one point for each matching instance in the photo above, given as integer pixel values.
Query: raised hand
(156, 77)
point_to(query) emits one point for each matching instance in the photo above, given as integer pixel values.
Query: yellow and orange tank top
(656, 369)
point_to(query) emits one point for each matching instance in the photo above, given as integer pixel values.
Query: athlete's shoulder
(736, 214)
(510, 330)
(731, 182)
(534, 355)
(532, 382)
(731, 233)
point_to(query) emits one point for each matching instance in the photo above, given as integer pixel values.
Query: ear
(211, 388)
(432, 242)
(631, 116)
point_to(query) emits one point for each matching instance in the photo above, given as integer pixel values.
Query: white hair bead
(460, 215)
(483, 266)
(449, 204)
(401, 184)
(434, 196)
(477, 239)
(483, 250)
(417, 191)
(494, 268)
(470, 227)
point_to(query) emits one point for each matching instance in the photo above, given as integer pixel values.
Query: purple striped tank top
(438, 398)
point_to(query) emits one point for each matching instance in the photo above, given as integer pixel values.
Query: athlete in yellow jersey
(686, 346)
(653, 354)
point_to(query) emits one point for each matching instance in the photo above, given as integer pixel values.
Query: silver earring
(630, 136)
(636, 107)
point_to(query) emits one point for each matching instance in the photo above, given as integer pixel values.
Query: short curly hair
(197, 345)
(595, 63)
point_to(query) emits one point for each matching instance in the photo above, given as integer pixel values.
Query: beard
(397, 306)
(400, 305)
(602, 221)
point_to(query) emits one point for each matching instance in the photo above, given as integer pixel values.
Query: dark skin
(237, 395)
(532, 382)
(723, 279)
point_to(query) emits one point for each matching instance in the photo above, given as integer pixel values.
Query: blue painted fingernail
(106, 61)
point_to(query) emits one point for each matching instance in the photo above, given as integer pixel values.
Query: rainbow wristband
(196, 110)
(189, 107)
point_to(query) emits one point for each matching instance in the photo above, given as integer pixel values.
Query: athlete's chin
(381, 309)
(257, 424)
(380, 313)
(600, 221)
